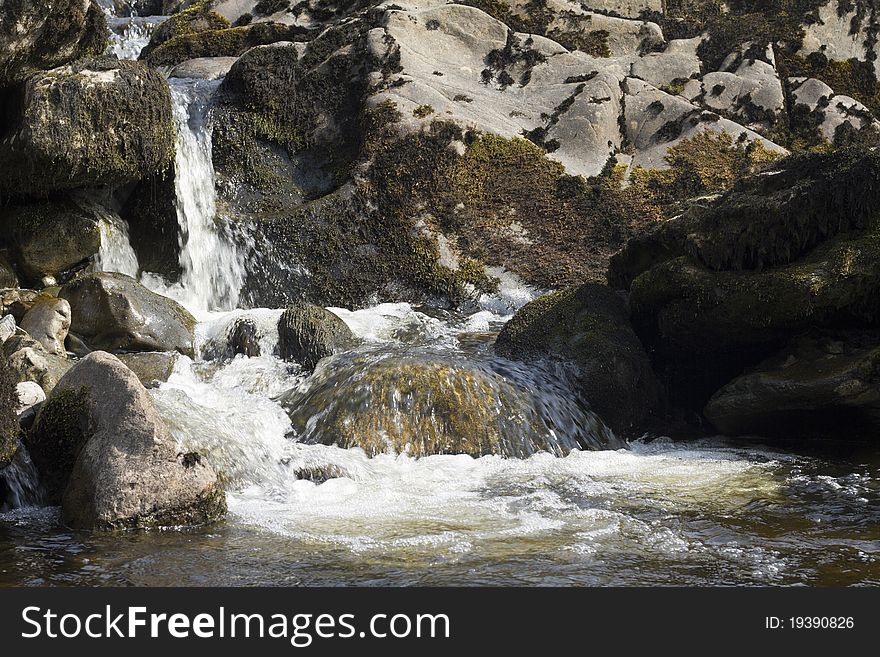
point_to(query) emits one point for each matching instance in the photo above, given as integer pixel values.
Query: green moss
(59, 432)
(8, 413)
(423, 111)
(852, 77)
(198, 17)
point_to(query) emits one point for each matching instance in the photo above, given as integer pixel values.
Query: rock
(9, 403)
(677, 64)
(244, 338)
(94, 122)
(8, 279)
(17, 302)
(402, 404)
(30, 362)
(151, 368)
(197, 17)
(817, 387)
(829, 112)
(29, 395)
(50, 238)
(588, 327)
(7, 328)
(114, 312)
(308, 333)
(102, 449)
(204, 68)
(39, 34)
(48, 322)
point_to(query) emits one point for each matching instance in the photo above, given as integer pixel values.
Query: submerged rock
(308, 333)
(94, 122)
(49, 238)
(386, 403)
(48, 322)
(818, 386)
(114, 312)
(588, 327)
(102, 449)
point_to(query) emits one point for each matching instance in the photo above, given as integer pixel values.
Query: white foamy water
(116, 254)
(212, 267)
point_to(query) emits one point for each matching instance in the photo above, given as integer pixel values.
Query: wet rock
(50, 238)
(29, 395)
(817, 387)
(204, 68)
(392, 403)
(102, 449)
(588, 327)
(151, 368)
(308, 333)
(244, 338)
(114, 312)
(48, 322)
(93, 122)
(39, 34)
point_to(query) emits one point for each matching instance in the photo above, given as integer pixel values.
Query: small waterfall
(19, 483)
(129, 33)
(213, 269)
(116, 253)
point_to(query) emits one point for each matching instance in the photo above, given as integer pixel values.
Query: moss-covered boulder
(392, 403)
(43, 34)
(819, 386)
(308, 333)
(114, 312)
(50, 238)
(589, 328)
(199, 16)
(105, 454)
(8, 414)
(94, 122)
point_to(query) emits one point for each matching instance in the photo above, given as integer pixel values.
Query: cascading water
(212, 267)
(129, 33)
(19, 483)
(116, 254)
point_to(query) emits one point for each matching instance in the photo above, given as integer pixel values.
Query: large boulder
(308, 333)
(818, 386)
(589, 328)
(116, 313)
(48, 322)
(102, 449)
(48, 238)
(93, 122)
(42, 34)
(392, 403)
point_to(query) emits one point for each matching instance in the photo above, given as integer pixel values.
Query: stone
(104, 452)
(151, 368)
(204, 68)
(29, 395)
(308, 333)
(48, 322)
(114, 312)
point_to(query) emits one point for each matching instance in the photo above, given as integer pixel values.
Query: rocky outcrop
(104, 452)
(588, 327)
(384, 403)
(39, 34)
(48, 322)
(308, 333)
(114, 312)
(50, 238)
(819, 386)
(93, 122)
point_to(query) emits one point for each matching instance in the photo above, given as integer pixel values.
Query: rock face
(728, 283)
(50, 238)
(39, 34)
(384, 403)
(308, 333)
(93, 122)
(48, 322)
(101, 447)
(114, 312)
(819, 386)
(589, 328)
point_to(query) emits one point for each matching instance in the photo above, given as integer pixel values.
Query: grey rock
(308, 333)
(114, 312)
(7, 328)
(204, 68)
(48, 322)
(101, 447)
(29, 395)
(150, 367)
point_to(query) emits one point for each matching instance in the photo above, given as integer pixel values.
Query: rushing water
(653, 512)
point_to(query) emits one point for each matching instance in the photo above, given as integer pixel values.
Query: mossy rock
(197, 17)
(766, 220)
(308, 333)
(8, 414)
(384, 403)
(589, 328)
(51, 237)
(705, 326)
(95, 122)
(43, 34)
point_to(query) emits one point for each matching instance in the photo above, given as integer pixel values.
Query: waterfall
(19, 483)
(116, 253)
(212, 268)
(129, 33)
